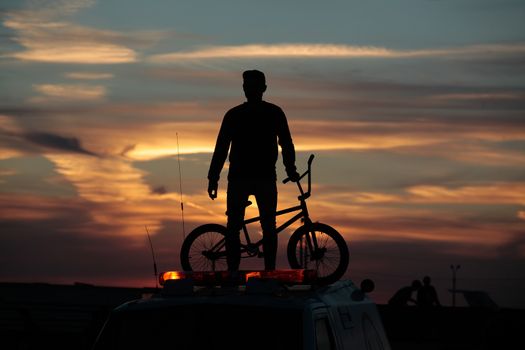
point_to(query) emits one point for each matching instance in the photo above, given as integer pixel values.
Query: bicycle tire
(197, 250)
(332, 264)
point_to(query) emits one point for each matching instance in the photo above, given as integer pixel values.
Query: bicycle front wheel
(319, 247)
(204, 249)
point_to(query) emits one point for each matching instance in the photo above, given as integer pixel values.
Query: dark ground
(69, 317)
(462, 328)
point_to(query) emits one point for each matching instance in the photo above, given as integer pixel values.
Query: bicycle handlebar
(310, 160)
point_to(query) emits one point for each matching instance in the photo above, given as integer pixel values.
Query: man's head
(416, 284)
(254, 84)
(426, 280)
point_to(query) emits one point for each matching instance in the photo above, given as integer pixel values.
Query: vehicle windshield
(204, 327)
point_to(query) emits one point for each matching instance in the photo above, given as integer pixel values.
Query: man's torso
(253, 129)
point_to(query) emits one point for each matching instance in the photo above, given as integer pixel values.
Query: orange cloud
(155, 137)
(474, 152)
(152, 140)
(412, 216)
(491, 194)
(199, 136)
(89, 75)
(84, 54)
(324, 50)
(118, 201)
(46, 39)
(119, 196)
(499, 193)
(197, 125)
(66, 92)
(6, 153)
(101, 179)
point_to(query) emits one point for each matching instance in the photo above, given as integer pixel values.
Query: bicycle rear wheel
(204, 250)
(329, 259)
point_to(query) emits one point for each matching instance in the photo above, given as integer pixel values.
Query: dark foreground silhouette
(44, 316)
(403, 297)
(427, 295)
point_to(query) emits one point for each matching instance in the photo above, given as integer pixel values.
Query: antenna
(153, 256)
(180, 190)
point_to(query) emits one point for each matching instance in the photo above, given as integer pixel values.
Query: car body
(263, 314)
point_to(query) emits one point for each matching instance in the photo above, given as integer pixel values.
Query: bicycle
(313, 245)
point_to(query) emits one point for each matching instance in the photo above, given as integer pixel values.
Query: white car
(271, 311)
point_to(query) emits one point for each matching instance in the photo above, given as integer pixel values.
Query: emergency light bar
(208, 278)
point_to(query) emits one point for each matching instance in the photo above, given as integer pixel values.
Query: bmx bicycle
(313, 245)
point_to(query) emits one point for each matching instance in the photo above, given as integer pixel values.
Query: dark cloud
(30, 141)
(159, 190)
(53, 251)
(126, 150)
(24, 111)
(49, 140)
(514, 248)
(357, 95)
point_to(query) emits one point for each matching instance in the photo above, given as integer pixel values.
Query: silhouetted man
(427, 295)
(404, 295)
(251, 132)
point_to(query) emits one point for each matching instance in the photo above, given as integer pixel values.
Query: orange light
(253, 274)
(171, 275)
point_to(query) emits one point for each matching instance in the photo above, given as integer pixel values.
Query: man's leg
(266, 196)
(237, 196)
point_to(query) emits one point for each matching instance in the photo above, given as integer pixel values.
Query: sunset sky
(414, 109)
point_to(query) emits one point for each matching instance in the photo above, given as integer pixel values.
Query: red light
(240, 277)
(285, 276)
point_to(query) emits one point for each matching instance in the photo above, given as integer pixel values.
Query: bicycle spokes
(208, 252)
(320, 247)
(304, 253)
(325, 253)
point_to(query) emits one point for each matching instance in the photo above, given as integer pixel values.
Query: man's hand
(293, 176)
(212, 189)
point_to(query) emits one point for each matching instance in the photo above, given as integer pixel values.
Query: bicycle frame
(311, 243)
(303, 214)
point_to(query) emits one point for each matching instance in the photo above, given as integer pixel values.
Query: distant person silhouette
(251, 132)
(427, 295)
(403, 296)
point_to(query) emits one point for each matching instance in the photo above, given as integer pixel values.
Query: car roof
(290, 297)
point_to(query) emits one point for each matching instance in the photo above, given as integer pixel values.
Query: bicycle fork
(310, 251)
